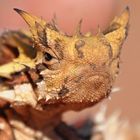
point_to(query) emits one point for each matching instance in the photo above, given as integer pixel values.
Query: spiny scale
(48, 72)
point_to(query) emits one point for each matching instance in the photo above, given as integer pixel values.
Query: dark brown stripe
(78, 45)
(63, 91)
(28, 75)
(59, 48)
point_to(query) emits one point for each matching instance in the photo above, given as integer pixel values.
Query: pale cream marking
(25, 93)
(115, 89)
(46, 93)
(20, 93)
(21, 130)
(8, 95)
(2, 126)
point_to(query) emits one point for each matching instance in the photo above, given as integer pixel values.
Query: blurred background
(93, 13)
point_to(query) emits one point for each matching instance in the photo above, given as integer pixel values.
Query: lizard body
(48, 73)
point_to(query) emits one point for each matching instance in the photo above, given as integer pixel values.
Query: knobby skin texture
(45, 72)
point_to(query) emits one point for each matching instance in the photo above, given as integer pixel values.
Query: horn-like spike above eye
(37, 27)
(31, 21)
(29, 18)
(117, 31)
(121, 21)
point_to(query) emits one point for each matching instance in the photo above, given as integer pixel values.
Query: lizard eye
(50, 60)
(48, 57)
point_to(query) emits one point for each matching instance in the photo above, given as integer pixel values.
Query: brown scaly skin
(49, 72)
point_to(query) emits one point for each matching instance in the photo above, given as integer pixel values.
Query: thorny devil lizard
(46, 72)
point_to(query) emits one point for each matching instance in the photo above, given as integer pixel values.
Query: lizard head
(79, 68)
